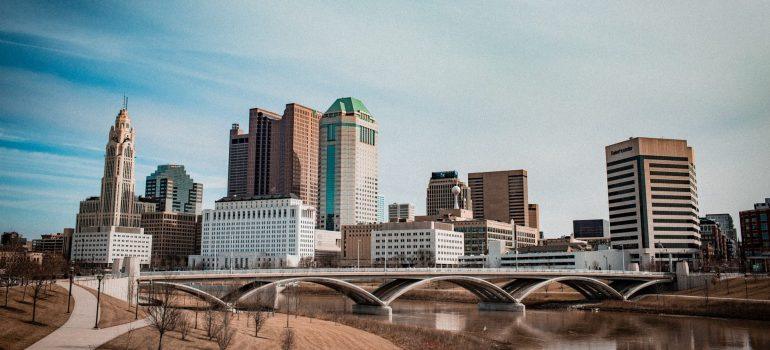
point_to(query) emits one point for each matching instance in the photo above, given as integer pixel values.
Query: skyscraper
(108, 225)
(294, 158)
(261, 125)
(174, 190)
(238, 162)
(401, 212)
(500, 195)
(381, 216)
(348, 174)
(653, 200)
(439, 193)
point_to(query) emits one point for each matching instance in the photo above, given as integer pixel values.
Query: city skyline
(63, 87)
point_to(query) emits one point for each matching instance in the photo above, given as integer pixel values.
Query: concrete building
(13, 238)
(255, 232)
(348, 180)
(108, 226)
(174, 190)
(416, 244)
(294, 158)
(356, 244)
(713, 242)
(328, 248)
(439, 193)
(568, 257)
(175, 236)
(500, 195)
(726, 224)
(756, 236)
(400, 212)
(653, 200)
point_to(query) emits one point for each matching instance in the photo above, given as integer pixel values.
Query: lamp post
(98, 297)
(69, 294)
(358, 255)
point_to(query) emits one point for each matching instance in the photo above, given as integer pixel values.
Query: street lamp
(358, 255)
(69, 295)
(98, 297)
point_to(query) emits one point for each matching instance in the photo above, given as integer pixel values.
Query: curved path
(78, 332)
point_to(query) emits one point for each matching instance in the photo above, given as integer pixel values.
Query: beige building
(417, 244)
(653, 200)
(356, 244)
(500, 195)
(400, 212)
(439, 194)
(175, 236)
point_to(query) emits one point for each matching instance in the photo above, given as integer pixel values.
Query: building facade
(756, 236)
(713, 242)
(175, 236)
(417, 244)
(381, 209)
(400, 212)
(591, 229)
(726, 224)
(439, 193)
(348, 181)
(500, 196)
(103, 244)
(174, 190)
(356, 244)
(653, 200)
(57, 243)
(255, 232)
(534, 215)
(237, 162)
(294, 159)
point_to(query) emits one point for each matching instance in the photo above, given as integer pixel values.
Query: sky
(467, 86)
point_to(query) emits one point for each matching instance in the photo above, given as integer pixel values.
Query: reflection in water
(571, 329)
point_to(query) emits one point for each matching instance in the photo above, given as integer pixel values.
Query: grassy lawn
(16, 329)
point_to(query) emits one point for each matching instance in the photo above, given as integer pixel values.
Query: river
(570, 329)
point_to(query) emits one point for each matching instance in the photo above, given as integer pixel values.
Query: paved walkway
(78, 332)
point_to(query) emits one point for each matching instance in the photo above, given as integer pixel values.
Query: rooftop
(348, 105)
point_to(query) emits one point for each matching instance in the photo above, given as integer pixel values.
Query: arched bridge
(496, 289)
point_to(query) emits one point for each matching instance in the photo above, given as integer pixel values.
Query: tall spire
(125, 102)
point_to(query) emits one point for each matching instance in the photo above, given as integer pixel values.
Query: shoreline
(744, 309)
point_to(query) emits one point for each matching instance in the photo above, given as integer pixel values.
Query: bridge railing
(315, 271)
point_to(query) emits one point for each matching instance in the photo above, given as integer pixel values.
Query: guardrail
(406, 270)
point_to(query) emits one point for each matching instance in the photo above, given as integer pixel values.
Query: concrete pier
(512, 307)
(372, 310)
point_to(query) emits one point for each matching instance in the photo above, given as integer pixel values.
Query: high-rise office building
(400, 212)
(348, 174)
(756, 236)
(534, 215)
(294, 158)
(653, 200)
(108, 225)
(500, 195)
(726, 224)
(439, 193)
(237, 162)
(591, 229)
(174, 190)
(175, 237)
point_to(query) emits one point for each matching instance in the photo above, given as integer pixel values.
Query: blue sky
(467, 86)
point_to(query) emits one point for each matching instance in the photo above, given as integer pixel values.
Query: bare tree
(210, 322)
(225, 332)
(183, 326)
(40, 280)
(259, 319)
(288, 341)
(162, 314)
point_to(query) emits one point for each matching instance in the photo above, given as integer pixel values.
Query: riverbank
(309, 334)
(16, 329)
(687, 306)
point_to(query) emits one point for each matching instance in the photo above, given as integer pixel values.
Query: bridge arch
(210, 298)
(590, 288)
(632, 291)
(486, 291)
(352, 291)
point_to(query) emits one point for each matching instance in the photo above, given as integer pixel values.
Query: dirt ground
(16, 329)
(310, 334)
(752, 287)
(113, 311)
